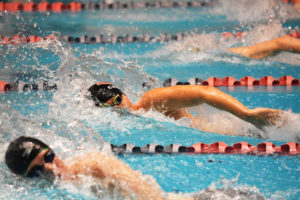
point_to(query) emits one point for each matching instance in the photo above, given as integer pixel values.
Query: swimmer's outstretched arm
(264, 49)
(170, 100)
(115, 173)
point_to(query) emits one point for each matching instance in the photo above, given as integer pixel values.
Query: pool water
(68, 121)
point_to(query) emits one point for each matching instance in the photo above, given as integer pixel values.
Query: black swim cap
(21, 152)
(104, 91)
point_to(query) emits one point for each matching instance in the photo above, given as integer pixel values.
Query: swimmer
(30, 157)
(264, 49)
(171, 101)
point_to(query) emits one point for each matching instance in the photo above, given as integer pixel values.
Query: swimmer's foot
(262, 117)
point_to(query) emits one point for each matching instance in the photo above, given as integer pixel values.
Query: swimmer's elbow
(142, 104)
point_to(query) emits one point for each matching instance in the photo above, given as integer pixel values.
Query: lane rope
(230, 81)
(106, 39)
(59, 7)
(22, 86)
(265, 148)
(212, 81)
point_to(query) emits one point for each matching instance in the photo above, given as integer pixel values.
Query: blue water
(74, 66)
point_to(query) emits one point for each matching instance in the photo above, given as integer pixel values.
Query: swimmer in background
(30, 157)
(172, 101)
(264, 49)
(267, 48)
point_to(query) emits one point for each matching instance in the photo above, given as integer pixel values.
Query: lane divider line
(230, 81)
(22, 86)
(211, 81)
(58, 7)
(265, 148)
(106, 39)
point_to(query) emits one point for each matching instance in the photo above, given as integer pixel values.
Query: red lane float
(5, 40)
(288, 81)
(33, 39)
(220, 147)
(17, 40)
(294, 34)
(2, 8)
(199, 148)
(43, 6)
(291, 148)
(29, 7)
(268, 81)
(59, 7)
(243, 148)
(49, 37)
(75, 7)
(230, 81)
(4, 86)
(265, 148)
(212, 81)
(13, 7)
(249, 81)
(235, 35)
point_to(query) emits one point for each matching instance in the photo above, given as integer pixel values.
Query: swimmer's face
(114, 101)
(38, 165)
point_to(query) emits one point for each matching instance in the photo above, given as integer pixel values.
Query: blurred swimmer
(171, 102)
(30, 157)
(264, 49)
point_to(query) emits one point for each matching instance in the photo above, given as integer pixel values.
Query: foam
(288, 131)
(255, 11)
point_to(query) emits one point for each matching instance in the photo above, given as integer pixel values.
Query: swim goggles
(116, 101)
(38, 169)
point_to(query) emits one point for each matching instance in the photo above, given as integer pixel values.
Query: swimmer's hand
(261, 117)
(173, 196)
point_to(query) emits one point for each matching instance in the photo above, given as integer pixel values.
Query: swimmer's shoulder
(174, 89)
